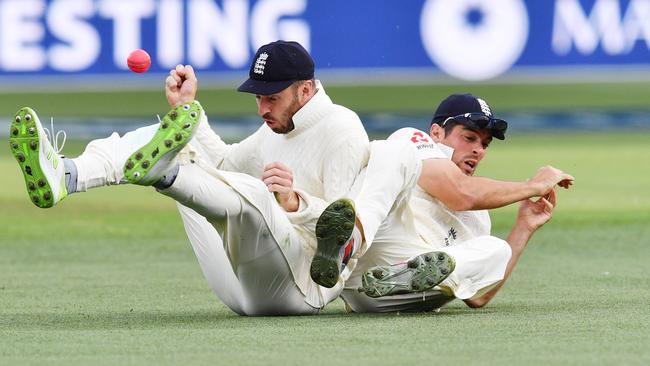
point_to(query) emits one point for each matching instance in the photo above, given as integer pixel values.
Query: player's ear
(306, 89)
(436, 132)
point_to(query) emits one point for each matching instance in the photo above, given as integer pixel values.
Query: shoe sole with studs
(24, 142)
(333, 229)
(175, 131)
(419, 274)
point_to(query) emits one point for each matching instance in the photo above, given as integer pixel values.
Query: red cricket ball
(139, 61)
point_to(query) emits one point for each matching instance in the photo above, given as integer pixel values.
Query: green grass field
(362, 99)
(108, 278)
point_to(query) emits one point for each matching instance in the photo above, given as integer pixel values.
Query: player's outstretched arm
(443, 180)
(531, 216)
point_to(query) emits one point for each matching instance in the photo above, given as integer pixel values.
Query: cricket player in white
(250, 208)
(427, 234)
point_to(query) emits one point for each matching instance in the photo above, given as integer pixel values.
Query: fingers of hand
(281, 174)
(565, 183)
(189, 73)
(551, 197)
(277, 184)
(278, 189)
(567, 177)
(548, 206)
(277, 165)
(277, 169)
(171, 82)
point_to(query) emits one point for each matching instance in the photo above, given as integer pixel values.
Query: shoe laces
(54, 138)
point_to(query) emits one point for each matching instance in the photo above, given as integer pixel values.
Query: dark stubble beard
(288, 115)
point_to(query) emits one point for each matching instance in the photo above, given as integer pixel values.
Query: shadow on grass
(220, 318)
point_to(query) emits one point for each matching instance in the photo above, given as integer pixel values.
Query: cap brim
(497, 134)
(500, 134)
(262, 87)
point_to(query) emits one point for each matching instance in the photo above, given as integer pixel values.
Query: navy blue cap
(467, 104)
(276, 66)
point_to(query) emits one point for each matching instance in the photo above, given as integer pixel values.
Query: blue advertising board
(465, 39)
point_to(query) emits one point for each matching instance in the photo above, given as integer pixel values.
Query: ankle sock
(168, 179)
(70, 175)
(352, 246)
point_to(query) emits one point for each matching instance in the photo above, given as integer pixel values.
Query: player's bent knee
(499, 248)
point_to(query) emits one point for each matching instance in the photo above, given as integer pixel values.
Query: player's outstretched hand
(181, 85)
(279, 180)
(548, 177)
(534, 214)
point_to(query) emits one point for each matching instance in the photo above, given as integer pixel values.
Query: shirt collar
(312, 112)
(447, 150)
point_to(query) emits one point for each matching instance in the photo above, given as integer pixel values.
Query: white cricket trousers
(382, 201)
(234, 225)
(480, 265)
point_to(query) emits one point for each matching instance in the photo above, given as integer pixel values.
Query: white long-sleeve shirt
(437, 224)
(325, 152)
(423, 223)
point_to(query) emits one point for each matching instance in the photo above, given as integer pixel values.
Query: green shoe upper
(147, 165)
(39, 161)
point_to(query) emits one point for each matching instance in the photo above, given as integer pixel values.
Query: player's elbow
(477, 303)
